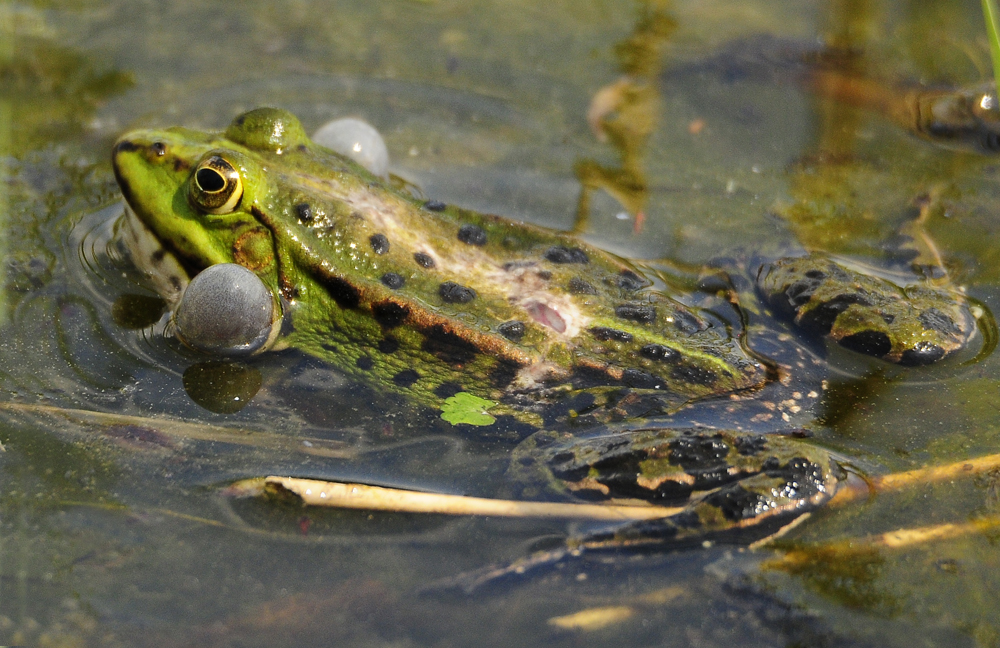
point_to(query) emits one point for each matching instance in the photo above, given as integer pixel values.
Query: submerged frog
(428, 300)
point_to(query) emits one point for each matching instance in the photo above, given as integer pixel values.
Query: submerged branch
(179, 430)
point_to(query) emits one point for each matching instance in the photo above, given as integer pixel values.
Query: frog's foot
(911, 325)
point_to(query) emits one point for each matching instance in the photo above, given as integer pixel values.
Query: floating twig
(928, 475)
(379, 498)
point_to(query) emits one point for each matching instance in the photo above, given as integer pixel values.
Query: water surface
(113, 531)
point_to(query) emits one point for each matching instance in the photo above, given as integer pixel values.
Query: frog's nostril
(159, 148)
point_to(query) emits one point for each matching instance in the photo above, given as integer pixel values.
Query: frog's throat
(161, 267)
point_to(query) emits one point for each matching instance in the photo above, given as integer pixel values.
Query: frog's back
(434, 298)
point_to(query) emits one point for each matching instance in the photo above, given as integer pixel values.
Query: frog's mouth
(162, 267)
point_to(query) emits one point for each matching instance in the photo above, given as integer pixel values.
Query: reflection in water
(965, 119)
(625, 114)
(829, 180)
(851, 397)
(133, 311)
(222, 387)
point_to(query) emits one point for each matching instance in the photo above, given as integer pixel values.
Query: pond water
(115, 525)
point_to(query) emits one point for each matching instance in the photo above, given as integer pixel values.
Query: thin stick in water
(378, 498)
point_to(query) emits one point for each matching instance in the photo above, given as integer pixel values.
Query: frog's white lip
(166, 274)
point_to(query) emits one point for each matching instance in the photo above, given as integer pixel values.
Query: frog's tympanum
(427, 300)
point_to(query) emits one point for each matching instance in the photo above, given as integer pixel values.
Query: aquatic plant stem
(992, 16)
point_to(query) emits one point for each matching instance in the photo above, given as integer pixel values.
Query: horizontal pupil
(210, 180)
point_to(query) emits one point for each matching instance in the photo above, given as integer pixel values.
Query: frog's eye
(216, 187)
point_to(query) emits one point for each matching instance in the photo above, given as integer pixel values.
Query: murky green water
(113, 531)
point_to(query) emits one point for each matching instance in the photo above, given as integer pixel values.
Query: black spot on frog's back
(820, 319)
(560, 254)
(607, 334)
(642, 380)
(578, 286)
(660, 353)
(873, 343)
(448, 346)
(694, 375)
(801, 291)
(698, 452)
(750, 444)
(388, 345)
(636, 313)
(406, 377)
(687, 323)
(393, 280)
(512, 330)
(342, 292)
(423, 259)
(472, 235)
(447, 389)
(933, 319)
(453, 293)
(390, 314)
(922, 353)
(379, 243)
(630, 281)
(737, 503)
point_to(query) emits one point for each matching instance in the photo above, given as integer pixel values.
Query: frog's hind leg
(734, 487)
(731, 487)
(743, 512)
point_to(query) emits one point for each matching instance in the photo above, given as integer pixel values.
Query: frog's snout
(124, 145)
(142, 142)
(134, 152)
(121, 147)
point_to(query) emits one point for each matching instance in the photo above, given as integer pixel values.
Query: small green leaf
(463, 407)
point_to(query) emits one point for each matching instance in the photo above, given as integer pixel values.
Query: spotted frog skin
(426, 300)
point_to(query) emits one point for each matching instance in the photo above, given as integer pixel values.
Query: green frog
(430, 301)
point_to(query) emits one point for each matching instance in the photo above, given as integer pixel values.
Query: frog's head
(196, 192)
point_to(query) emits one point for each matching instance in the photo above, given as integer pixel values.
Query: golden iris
(216, 187)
